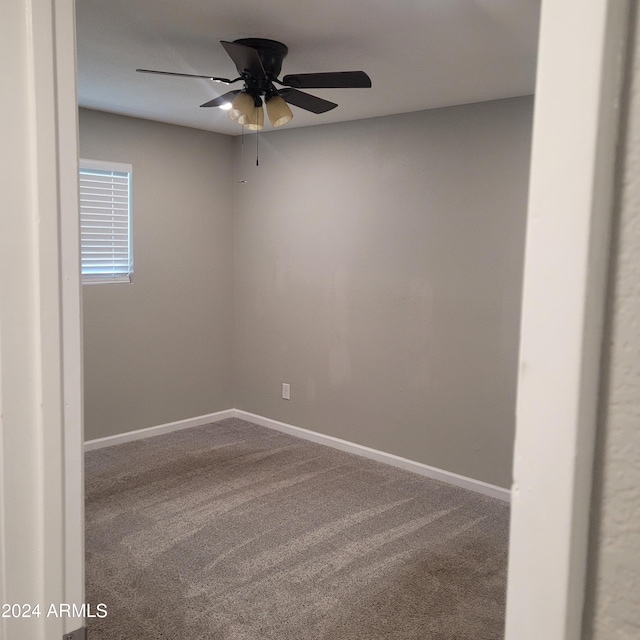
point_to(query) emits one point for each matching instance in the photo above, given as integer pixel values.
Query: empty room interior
(300, 386)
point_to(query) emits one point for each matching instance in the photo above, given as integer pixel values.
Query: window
(105, 221)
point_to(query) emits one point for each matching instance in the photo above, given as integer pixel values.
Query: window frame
(121, 167)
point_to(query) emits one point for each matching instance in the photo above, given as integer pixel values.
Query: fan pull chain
(242, 180)
(257, 137)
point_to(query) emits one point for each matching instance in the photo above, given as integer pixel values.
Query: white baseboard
(388, 458)
(344, 445)
(149, 432)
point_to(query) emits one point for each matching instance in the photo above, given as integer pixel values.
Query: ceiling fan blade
(223, 99)
(306, 101)
(335, 80)
(245, 58)
(187, 75)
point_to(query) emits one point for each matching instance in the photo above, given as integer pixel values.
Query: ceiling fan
(259, 62)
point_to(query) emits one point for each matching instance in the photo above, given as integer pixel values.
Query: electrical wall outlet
(286, 391)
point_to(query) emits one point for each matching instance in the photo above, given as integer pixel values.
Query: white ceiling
(420, 54)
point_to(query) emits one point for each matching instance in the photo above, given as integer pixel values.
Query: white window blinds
(105, 221)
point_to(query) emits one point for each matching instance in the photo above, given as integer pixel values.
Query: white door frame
(41, 489)
(68, 152)
(576, 116)
(41, 550)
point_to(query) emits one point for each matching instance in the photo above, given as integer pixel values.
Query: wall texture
(613, 595)
(160, 349)
(378, 271)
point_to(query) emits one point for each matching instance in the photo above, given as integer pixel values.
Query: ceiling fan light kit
(259, 62)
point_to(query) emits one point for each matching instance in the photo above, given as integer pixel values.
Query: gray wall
(613, 595)
(160, 349)
(378, 271)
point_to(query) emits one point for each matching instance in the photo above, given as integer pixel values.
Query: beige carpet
(236, 532)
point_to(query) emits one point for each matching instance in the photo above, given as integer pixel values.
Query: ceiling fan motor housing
(271, 53)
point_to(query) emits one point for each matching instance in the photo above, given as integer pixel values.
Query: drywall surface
(613, 595)
(378, 272)
(160, 349)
